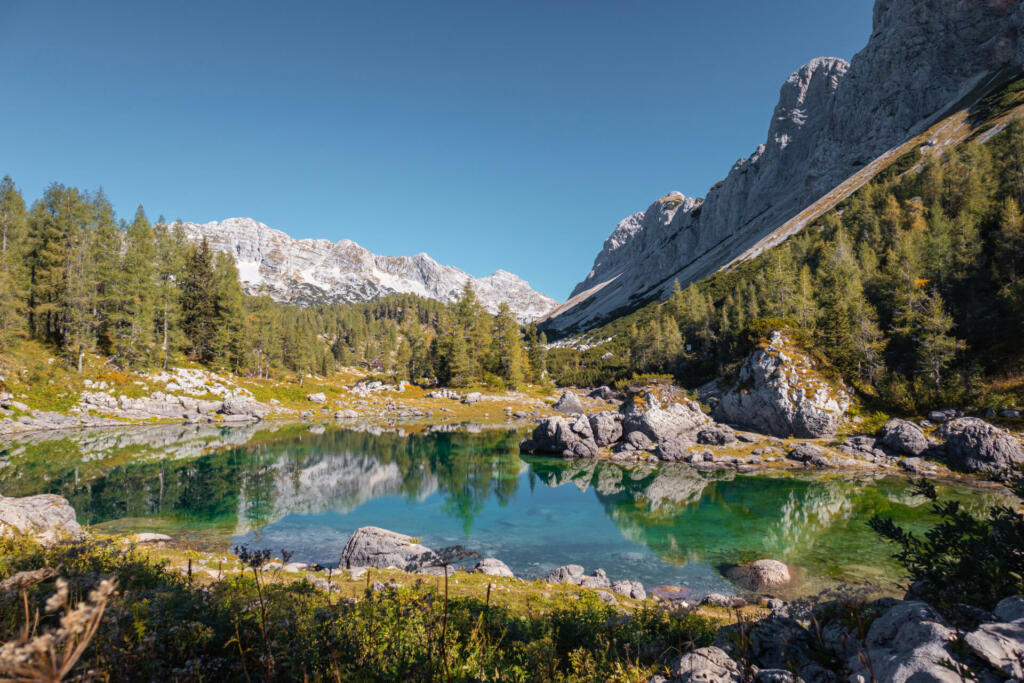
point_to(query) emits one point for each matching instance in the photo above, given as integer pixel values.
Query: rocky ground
(780, 413)
(199, 396)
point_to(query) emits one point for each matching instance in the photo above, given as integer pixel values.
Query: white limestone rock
(46, 518)
(779, 392)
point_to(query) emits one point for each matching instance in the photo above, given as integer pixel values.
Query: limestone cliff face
(832, 119)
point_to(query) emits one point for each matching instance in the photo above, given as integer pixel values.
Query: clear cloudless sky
(490, 135)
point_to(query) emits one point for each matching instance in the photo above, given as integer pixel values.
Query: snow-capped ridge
(317, 270)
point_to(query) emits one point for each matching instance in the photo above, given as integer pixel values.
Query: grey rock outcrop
(570, 438)
(832, 119)
(631, 589)
(607, 427)
(678, 419)
(569, 403)
(909, 642)
(244, 406)
(904, 437)
(569, 573)
(573, 573)
(706, 664)
(1001, 643)
(493, 567)
(973, 445)
(779, 392)
(371, 546)
(46, 518)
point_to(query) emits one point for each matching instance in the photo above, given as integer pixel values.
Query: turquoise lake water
(289, 488)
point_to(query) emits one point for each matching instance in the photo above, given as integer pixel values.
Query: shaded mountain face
(832, 119)
(319, 271)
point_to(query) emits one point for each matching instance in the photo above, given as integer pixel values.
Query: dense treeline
(913, 289)
(75, 277)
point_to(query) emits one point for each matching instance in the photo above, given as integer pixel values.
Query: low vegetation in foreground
(165, 624)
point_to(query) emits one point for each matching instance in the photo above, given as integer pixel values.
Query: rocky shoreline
(796, 414)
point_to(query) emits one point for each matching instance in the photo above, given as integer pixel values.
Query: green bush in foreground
(161, 626)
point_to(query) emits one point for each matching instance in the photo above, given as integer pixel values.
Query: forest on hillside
(912, 290)
(76, 278)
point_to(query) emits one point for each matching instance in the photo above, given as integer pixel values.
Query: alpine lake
(305, 489)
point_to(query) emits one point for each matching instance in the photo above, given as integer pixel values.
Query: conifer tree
(506, 347)
(13, 244)
(133, 315)
(229, 318)
(170, 259)
(199, 301)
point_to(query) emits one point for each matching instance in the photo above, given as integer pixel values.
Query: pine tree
(13, 244)
(170, 259)
(229, 317)
(135, 308)
(1009, 254)
(537, 354)
(507, 348)
(199, 301)
(109, 291)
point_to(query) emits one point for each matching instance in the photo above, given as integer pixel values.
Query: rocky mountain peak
(314, 271)
(832, 119)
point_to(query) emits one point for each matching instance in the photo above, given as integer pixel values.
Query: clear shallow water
(292, 489)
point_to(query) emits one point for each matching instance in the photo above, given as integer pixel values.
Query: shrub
(962, 559)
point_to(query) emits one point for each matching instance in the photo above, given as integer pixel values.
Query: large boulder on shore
(570, 438)
(240, 405)
(973, 445)
(569, 403)
(606, 427)
(46, 518)
(678, 419)
(780, 392)
(371, 546)
(903, 437)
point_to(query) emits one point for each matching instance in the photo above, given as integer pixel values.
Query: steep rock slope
(832, 119)
(314, 271)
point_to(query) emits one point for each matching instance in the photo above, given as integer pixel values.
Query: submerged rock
(762, 575)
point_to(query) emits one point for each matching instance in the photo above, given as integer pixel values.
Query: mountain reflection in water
(287, 487)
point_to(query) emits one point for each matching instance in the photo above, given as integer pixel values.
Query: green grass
(163, 624)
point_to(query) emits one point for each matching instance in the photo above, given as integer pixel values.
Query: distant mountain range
(925, 60)
(319, 271)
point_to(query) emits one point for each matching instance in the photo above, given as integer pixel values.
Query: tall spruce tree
(199, 301)
(13, 245)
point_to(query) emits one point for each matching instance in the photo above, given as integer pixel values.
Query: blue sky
(490, 135)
